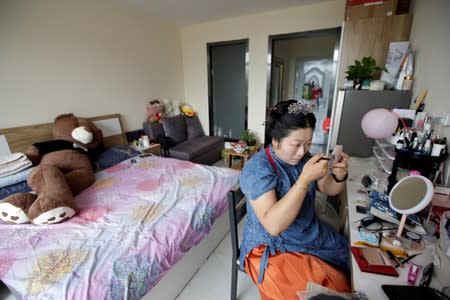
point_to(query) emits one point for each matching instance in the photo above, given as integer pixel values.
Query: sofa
(190, 141)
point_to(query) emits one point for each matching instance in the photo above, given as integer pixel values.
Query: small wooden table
(244, 156)
(154, 149)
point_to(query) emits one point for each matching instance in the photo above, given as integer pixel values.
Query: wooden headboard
(20, 138)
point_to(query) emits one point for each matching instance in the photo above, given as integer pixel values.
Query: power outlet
(446, 120)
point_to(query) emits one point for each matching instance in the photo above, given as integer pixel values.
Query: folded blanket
(15, 178)
(11, 158)
(13, 163)
(13, 189)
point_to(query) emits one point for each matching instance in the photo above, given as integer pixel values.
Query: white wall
(89, 57)
(257, 29)
(430, 37)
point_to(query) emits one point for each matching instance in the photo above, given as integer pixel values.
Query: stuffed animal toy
(187, 110)
(154, 111)
(167, 106)
(174, 109)
(63, 169)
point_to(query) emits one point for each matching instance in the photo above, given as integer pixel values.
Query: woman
(284, 245)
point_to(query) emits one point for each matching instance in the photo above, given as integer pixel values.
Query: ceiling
(188, 12)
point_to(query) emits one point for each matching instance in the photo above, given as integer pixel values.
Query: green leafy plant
(363, 70)
(249, 137)
(225, 156)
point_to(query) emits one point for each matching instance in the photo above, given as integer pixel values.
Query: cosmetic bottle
(415, 143)
(427, 147)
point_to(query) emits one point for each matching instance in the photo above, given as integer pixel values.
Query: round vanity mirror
(410, 195)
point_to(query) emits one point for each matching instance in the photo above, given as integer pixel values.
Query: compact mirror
(409, 196)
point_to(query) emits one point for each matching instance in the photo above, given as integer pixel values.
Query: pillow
(194, 127)
(114, 155)
(175, 127)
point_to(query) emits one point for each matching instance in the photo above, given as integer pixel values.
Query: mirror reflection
(303, 67)
(409, 194)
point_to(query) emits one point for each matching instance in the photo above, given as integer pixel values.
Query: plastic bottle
(415, 143)
(306, 91)
(427, 147)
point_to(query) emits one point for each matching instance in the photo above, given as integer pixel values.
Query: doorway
(303, 66)
(227, 88)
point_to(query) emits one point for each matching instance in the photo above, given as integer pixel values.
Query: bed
(139, 218)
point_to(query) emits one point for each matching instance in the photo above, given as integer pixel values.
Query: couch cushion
(193, 148)
(153, 130)
(175, 127)
(194, 127)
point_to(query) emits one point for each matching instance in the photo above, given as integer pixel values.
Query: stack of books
(379, 207)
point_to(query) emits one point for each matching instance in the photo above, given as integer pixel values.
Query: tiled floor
(213, 280)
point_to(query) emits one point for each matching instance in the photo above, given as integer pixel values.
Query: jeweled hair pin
(299, 108)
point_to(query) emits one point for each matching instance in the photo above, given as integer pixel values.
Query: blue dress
(306, 234)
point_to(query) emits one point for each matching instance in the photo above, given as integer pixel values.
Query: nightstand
(154, 149)
(243, 157)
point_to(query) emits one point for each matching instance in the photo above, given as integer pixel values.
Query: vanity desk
(369, 283)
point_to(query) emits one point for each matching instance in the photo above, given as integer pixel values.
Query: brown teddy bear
(63, 169)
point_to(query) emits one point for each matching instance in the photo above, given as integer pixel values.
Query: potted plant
(224, 155)
(249, 137)
(363, 70)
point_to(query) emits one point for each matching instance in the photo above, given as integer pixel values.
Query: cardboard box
(370, 9)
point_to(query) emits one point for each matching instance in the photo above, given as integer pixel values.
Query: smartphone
(336, 154)
(362, 209)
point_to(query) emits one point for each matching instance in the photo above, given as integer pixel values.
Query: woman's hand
(314, 169)
(340, 168)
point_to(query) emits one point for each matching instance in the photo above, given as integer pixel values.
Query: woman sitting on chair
(284, 244)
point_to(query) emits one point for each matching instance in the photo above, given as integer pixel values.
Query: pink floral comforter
(135, 222)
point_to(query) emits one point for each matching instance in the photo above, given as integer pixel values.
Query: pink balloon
(379, 123)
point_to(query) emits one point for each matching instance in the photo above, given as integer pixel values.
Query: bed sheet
(136, 221)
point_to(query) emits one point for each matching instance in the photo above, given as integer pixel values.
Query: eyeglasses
(373, 224)
(370, 224)
(371, 229)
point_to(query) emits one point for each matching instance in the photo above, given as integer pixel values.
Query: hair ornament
(299, 108)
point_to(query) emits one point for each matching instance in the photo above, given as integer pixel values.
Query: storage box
(370, 9)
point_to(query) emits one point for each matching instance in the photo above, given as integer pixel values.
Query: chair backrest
(237, 211)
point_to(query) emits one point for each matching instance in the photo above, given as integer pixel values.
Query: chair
(237, 211)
